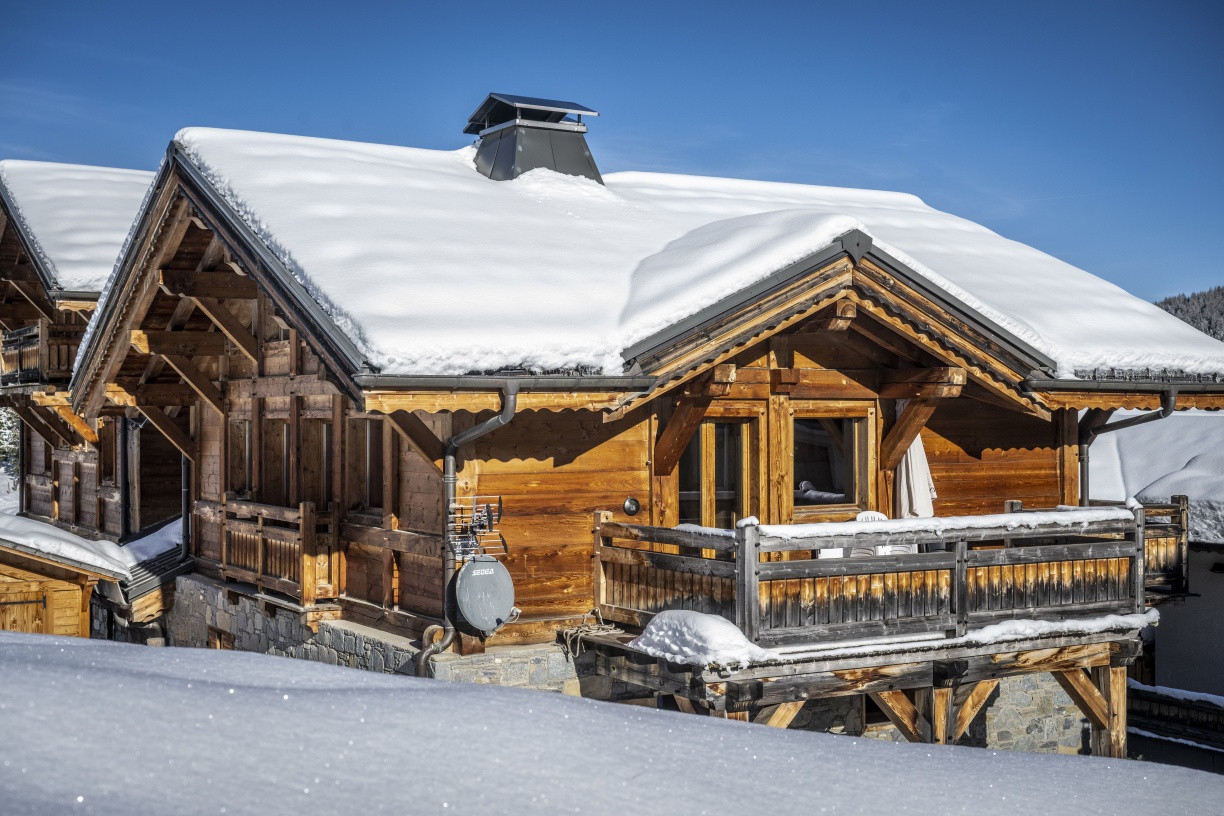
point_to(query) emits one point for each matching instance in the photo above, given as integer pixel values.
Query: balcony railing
(41, 353)
(963, 573)
(284, 549)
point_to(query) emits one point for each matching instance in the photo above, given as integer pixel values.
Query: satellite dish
(484, 593)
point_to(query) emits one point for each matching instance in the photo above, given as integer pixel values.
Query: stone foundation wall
(203, 616)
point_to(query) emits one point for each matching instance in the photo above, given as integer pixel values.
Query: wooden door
(24, 612)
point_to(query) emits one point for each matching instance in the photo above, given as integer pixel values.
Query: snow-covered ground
(9, 497)
(99, 727)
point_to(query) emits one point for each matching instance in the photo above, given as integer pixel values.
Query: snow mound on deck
(61, 545)
(698, 639)
(431, 268)
(76, 216)
(1201, 479)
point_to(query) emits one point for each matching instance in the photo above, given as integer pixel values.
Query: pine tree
(1202, 310)
(10, 445)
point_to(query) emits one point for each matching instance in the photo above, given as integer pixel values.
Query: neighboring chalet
(365, 351)
(61, 230)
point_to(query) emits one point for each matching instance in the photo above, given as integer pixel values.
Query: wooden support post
(960, 588)
(1110, 741)
(390, 482)
(599, 579)
(294, 429)
(1139, 565)
(309, 584)
(942, 714)
(747, 581)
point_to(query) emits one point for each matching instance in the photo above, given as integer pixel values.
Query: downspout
(125, 484)
(449, 480)
(1168, 404)
(185, 467)
(21, 467)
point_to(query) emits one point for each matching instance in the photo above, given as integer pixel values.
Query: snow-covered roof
(48, 541)
(75, 217)
(1182, 454)
(431, 268)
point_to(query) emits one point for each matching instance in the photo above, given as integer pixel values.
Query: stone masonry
(201, 605)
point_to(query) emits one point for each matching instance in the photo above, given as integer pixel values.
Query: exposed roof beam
(184, 343)
(230, 326)
(198, 381)
(169, 429)
(208, 284)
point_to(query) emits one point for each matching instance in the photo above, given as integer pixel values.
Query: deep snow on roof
(434, 269)
(77, 217)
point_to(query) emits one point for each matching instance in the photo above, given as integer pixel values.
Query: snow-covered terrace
(429, 268)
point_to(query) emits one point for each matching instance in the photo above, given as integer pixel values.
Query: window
(108, 451)
(714, 474)
(830, 466)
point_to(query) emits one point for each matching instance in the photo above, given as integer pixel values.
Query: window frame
(865, 415)
(751, 419)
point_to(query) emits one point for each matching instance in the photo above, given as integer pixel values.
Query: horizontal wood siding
(553, 470)
(982, 456)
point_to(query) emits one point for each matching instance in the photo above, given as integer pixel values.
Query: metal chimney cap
(499, 107)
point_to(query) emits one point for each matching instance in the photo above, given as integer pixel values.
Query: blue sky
(1091, 130)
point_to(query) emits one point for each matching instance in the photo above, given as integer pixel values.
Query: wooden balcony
(965, 573)
(41, 353)
(288, 550)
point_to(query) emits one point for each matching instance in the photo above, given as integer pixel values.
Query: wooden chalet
(320, 456)
(61, 229)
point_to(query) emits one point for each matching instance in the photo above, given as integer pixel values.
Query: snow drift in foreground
(697, 639)
(99, 727)
(1180, 455)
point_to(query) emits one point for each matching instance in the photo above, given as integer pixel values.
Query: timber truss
(931, 695)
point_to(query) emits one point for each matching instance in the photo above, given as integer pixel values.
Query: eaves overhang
(526, 382)
(45, 275)
(108, 311)
(278, 277)
(855, 245)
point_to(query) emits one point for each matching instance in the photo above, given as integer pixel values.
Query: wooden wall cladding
(982, 456)
(588, 466)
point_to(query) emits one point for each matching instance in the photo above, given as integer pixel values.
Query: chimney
(521, 133)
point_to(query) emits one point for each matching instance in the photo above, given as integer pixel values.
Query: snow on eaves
(75, 217)
(431, 268)
(51, 542)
